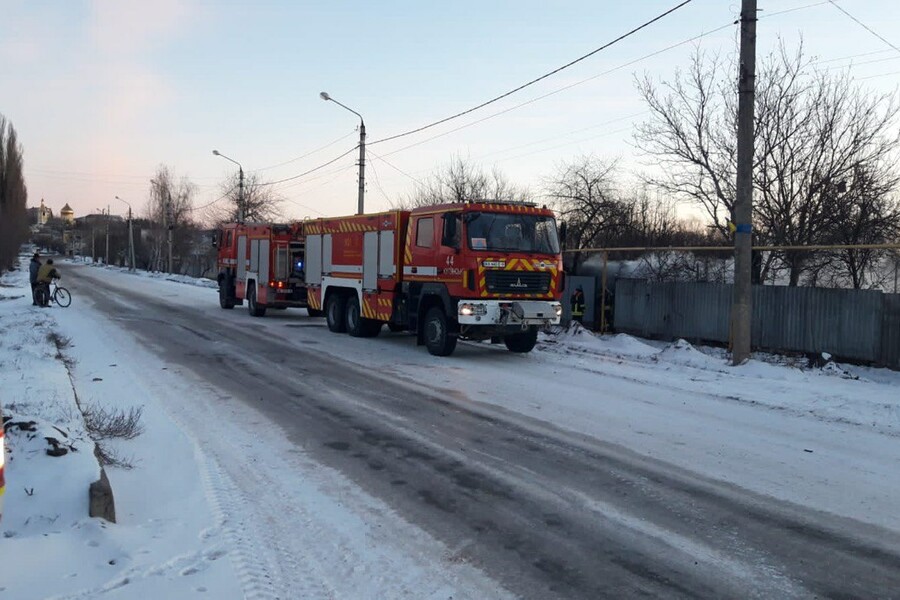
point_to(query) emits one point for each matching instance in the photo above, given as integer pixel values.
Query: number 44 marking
(450, 261)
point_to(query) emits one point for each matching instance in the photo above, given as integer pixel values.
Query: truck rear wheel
(335, 314)
(226, 300)
(437, 333)
(522, 342)
(357, 325)
(255, 309)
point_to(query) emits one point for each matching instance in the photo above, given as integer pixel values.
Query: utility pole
(241, 208)
(107, 234)
(130, 256)
(170, 218)
(93, 247)
(131, 239)
(362, 167)
(741, 308)
(362, 150)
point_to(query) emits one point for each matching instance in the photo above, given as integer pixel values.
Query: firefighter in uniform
(577, 304)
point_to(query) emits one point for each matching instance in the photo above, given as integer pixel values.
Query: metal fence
(859, 325)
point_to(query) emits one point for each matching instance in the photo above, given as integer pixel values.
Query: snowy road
(545, 510)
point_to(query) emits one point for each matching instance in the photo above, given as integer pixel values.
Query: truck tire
(521, 342)
(335, 312)
(437, 333)
(226, 300)
(357, 325)
(255, 309)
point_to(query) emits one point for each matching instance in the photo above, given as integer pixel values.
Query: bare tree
(169, 207)
(261, 203)
(865, 213)
(692, 135)
(584, 194)
(461, 180)
(814, 130)
(13, 196)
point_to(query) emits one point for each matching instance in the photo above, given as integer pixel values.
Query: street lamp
(241, 184)
(362, 149)
(130, 236)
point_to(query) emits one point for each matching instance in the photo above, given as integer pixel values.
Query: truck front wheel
(522, 342)
(255, 309)
(437, 333)
(226, 300)
(335, 314)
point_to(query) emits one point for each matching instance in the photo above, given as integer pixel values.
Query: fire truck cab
(262, 264)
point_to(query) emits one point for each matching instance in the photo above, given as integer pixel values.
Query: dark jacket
(33, 269)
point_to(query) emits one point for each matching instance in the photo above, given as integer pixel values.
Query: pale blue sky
(102, 92)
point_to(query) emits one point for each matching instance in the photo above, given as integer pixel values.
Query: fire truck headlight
(467, 309)
(558, 308)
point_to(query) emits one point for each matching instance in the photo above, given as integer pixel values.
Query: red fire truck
(475, 270)
(262, 263)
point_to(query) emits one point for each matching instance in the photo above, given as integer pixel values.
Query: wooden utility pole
(170, 226)
(741, 308)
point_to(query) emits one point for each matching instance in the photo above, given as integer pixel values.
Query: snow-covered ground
(184, 527)
(826, 438)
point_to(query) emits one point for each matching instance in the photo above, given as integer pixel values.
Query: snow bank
(185, 279)
(50, 460)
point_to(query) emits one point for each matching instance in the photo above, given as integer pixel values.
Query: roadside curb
(100, 495)
(101, 502)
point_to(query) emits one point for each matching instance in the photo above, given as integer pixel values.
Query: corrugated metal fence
(852, 324)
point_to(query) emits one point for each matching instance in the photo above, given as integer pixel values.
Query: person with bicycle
(46, 274)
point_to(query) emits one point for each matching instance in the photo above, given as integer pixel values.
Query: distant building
(44, 214)
(67, 214)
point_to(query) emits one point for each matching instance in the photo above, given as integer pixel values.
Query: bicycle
(53, 293)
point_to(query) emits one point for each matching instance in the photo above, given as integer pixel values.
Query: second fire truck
(473, 270)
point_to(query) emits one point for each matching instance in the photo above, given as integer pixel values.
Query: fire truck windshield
(512, 232)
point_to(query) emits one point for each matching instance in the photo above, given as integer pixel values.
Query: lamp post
(362, 149)
(240, 183)
(131, 261)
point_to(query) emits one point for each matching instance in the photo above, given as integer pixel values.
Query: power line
(310, 153)
(580, 141)
(314, 178)
(861, 63)
(378, 182)
(796, 8)
(556, 137)
(879, 75)
(864, 26)
(854, 56)
(398, 169)
(314, 169)
(564, 88)
(533, 81)
(208, 204)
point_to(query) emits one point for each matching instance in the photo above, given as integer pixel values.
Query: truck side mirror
(215, 239)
